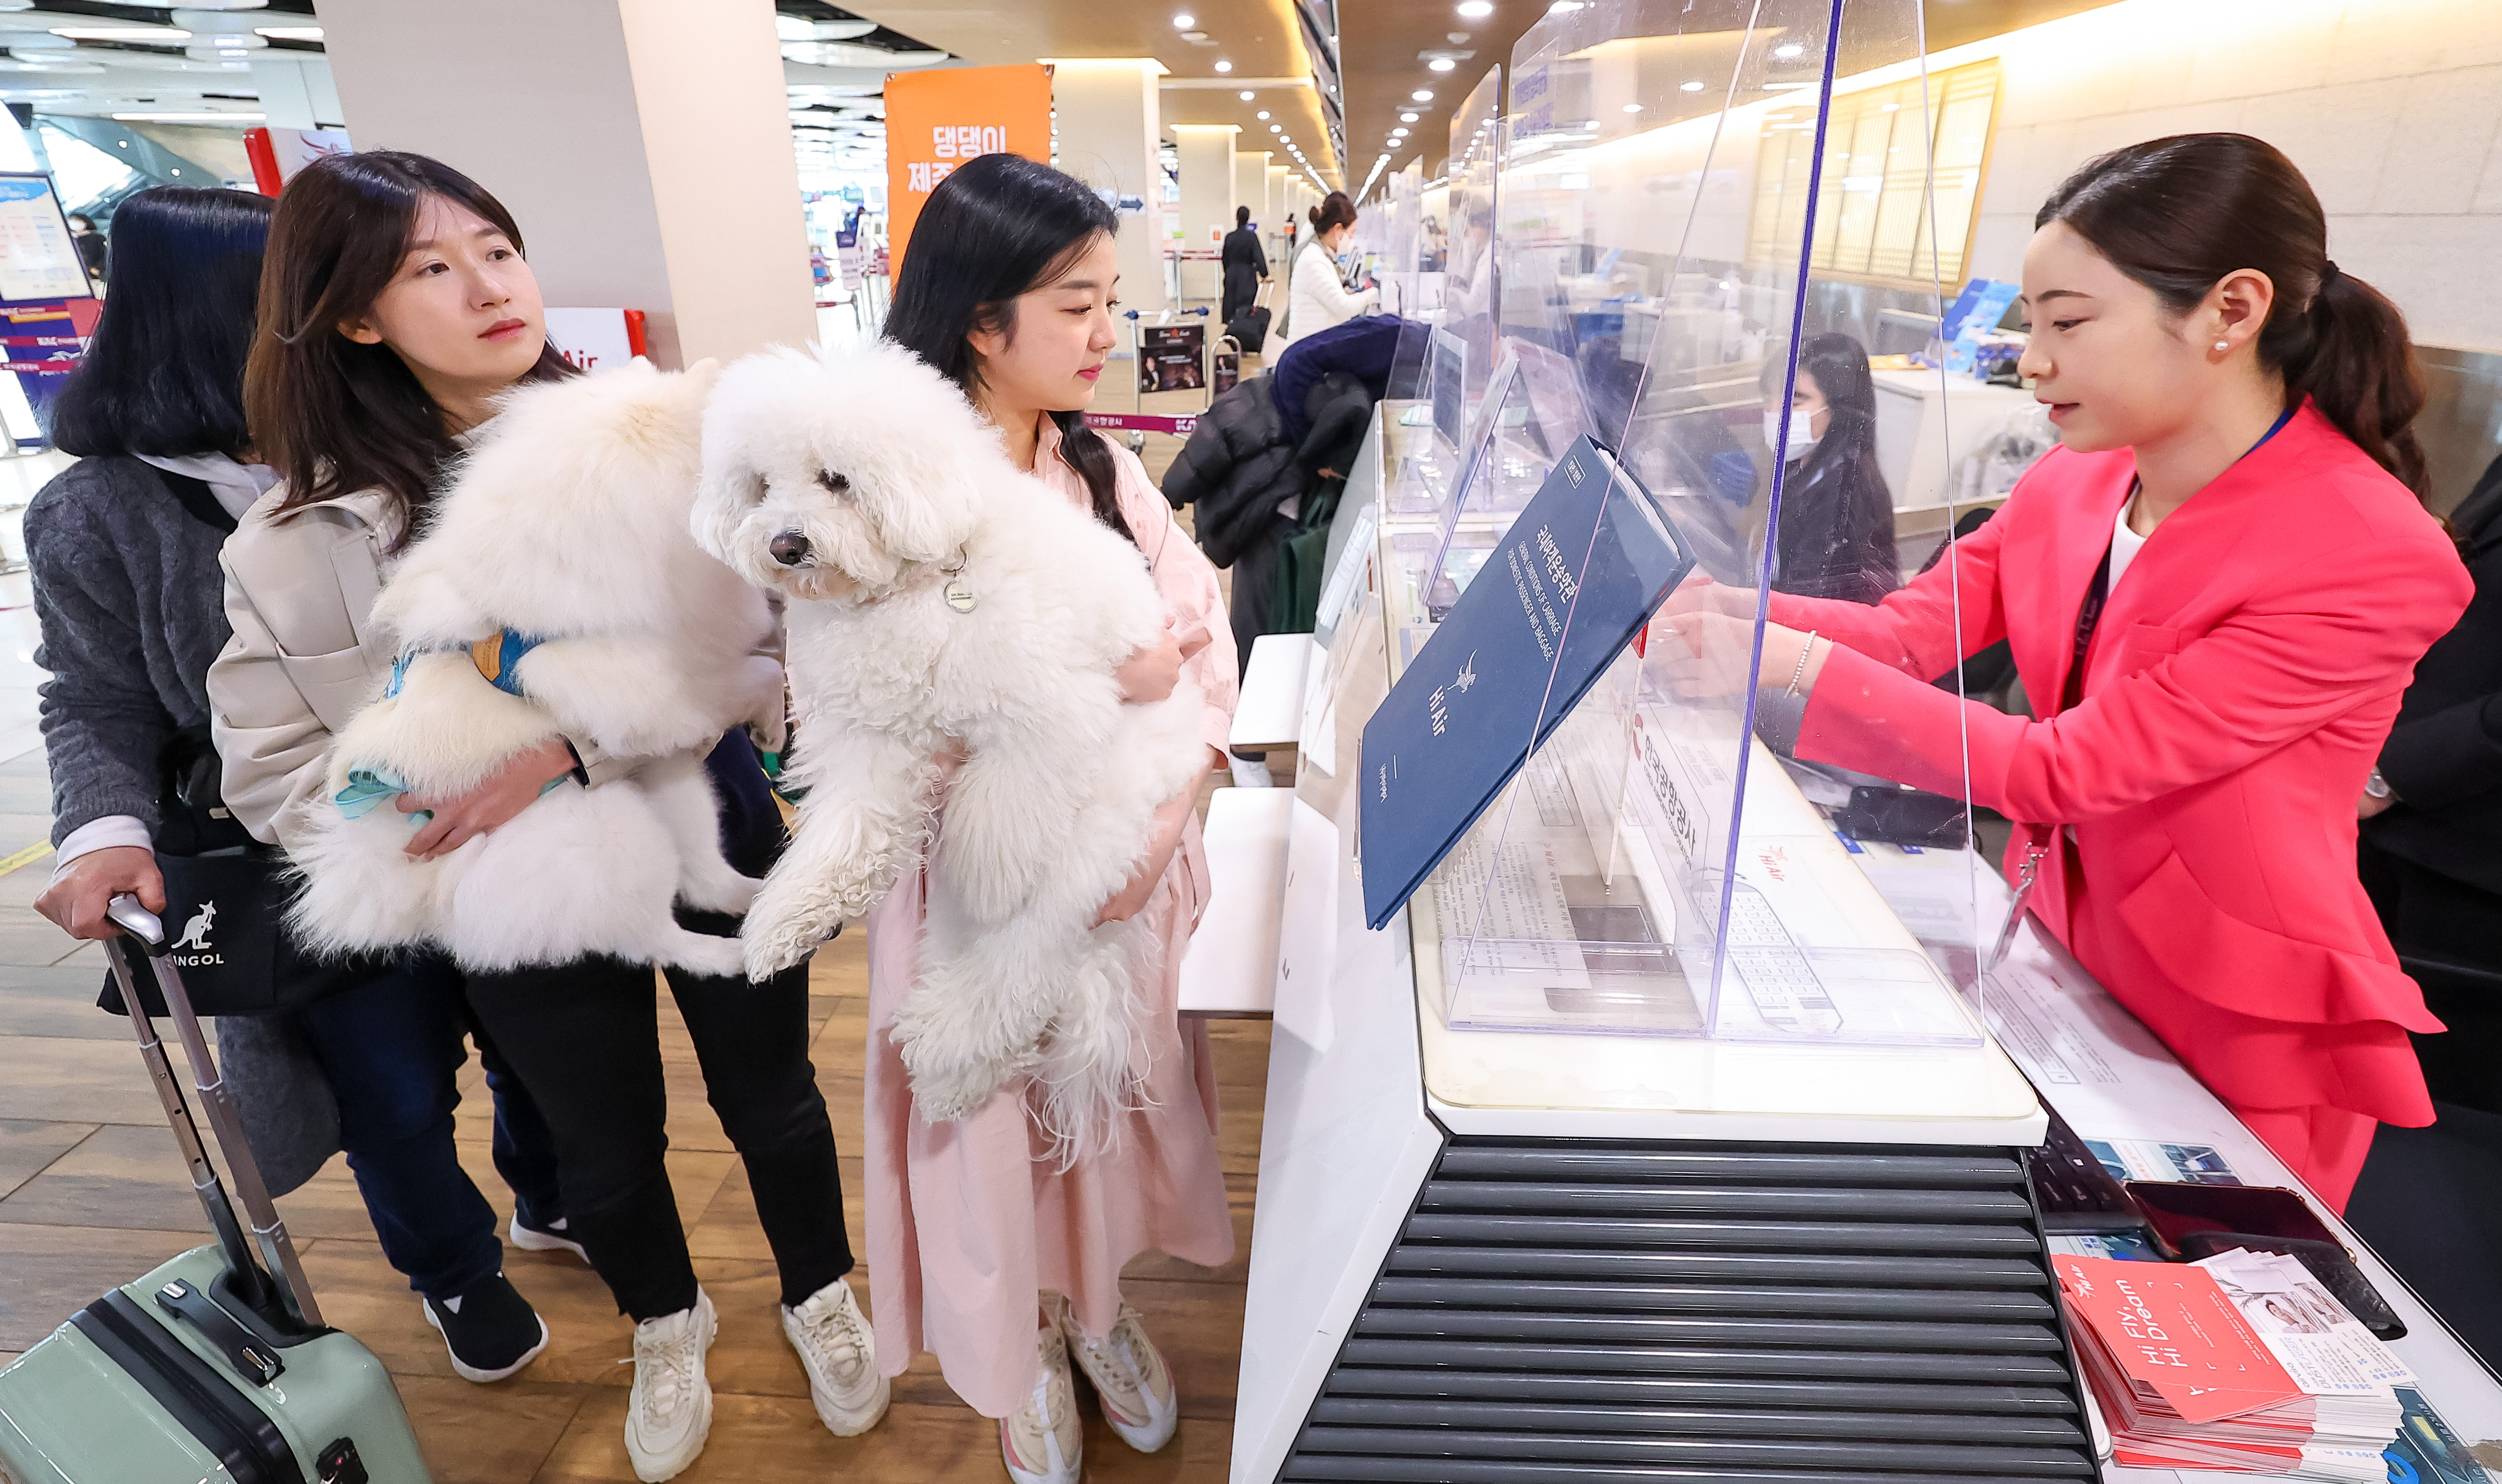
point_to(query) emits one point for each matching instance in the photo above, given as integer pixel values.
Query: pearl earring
(2223, 344)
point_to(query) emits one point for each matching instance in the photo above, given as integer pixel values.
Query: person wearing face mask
(395, 309)
(1836, 532)
(985, 1247)
(2215, 591)
(1318, 298)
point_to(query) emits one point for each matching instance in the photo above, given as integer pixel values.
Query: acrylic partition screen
(1700, 210)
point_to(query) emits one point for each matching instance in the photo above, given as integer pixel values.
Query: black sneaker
(490, 1330)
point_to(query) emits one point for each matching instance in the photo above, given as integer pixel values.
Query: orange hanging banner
(938, 120)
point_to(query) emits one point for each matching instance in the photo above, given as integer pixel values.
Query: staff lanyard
(2090, 613)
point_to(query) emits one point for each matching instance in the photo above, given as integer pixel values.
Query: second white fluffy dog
(569, 525)
(946, 603)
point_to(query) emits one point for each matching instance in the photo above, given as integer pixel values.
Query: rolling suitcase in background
(216, 1369)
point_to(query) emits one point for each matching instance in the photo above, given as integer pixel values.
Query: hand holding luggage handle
(268, 1232)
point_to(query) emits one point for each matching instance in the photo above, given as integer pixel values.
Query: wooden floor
(92, 1194)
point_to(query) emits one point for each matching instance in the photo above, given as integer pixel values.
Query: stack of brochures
(2240, 1362)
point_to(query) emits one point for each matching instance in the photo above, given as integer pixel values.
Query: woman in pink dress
(982, 1246)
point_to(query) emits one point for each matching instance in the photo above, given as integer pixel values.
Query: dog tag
(958, 596)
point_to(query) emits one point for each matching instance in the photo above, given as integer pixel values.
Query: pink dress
(966, 1221)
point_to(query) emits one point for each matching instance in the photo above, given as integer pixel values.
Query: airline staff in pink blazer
(2215, 590)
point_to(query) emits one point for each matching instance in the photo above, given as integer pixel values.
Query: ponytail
(2176, 214)
(2354, 360)
(1334, 212)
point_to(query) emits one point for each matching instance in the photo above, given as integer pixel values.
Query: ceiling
(1241, 45)
(1387, 49)
(125, 57)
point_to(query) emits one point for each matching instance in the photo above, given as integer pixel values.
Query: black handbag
(226, 902)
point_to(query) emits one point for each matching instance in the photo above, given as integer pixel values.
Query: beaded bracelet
(1800, 673)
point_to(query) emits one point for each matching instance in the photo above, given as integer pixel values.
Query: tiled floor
(92, 1194)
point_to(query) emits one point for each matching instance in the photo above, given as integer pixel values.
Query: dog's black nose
(790, 548)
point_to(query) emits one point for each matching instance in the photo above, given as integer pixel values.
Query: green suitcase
(215, 1369)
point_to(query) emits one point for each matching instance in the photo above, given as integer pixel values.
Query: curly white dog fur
(568, 522)
(864, 485)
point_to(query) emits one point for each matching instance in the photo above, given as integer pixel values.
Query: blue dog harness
(497, 658)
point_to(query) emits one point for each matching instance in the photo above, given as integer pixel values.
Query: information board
(39, 264)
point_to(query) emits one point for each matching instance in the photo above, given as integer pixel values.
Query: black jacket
(1237, 467)
(2444, 756)
(1245, 263)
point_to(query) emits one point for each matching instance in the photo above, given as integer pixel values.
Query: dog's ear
(724, 492)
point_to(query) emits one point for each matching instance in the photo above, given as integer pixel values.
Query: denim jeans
(391, 1047)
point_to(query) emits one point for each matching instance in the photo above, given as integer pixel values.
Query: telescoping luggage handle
(268, 1232)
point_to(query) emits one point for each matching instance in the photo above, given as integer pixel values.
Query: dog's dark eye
(834, 483)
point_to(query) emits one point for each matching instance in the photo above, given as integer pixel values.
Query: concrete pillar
(1109, 125)
(642, 144)
(1272, 226)
(1251, 183)
(1206, 151)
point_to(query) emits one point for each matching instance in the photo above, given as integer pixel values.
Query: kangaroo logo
(195, 933)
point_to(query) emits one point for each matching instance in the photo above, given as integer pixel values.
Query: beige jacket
(306, 655)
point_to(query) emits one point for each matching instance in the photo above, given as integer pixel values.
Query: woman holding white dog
(985, 1247)
(395, 309)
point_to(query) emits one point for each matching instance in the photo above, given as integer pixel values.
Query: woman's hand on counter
(1709, 654)
(458, 821)
(1698, 594)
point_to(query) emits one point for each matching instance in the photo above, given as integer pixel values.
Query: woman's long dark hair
(1000, 226)
(2178, 214)
(163, 374)
(1837, 529)
(331, 416)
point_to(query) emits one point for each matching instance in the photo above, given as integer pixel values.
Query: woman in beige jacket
(394, 309)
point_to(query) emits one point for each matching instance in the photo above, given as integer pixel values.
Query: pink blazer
(2237, 689)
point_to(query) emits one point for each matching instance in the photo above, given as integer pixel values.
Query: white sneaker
(840, 1356)
(1128, 1373)
(670, 1411)
(547, 1239)
(1043, 1442)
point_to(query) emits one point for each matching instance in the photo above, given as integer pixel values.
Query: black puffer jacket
(1237, 467)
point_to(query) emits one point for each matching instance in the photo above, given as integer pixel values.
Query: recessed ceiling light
(1693, 87)
(1476, 10)
(1264, 112)
(1398, 133)
(1891, 108)
(1789, 51)
(1276, 128)
(1423, 95)
(1184, 21)
(1225, 66)
(1440, 65)
(1633, 107)
(1247, 97)
(1407, 118)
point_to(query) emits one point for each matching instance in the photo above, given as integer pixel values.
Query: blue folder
(1547, 613)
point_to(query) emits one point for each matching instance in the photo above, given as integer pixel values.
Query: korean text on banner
(937, 121)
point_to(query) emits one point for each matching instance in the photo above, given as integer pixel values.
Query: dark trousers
(586, 1037)
(2448, 938)
(391, 1049)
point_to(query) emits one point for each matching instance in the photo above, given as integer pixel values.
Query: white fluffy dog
(950, 603)
(567, 525)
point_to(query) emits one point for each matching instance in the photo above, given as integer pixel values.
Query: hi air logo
(195, 937)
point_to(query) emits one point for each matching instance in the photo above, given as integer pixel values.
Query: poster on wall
(1169, 357)
(938, 120)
